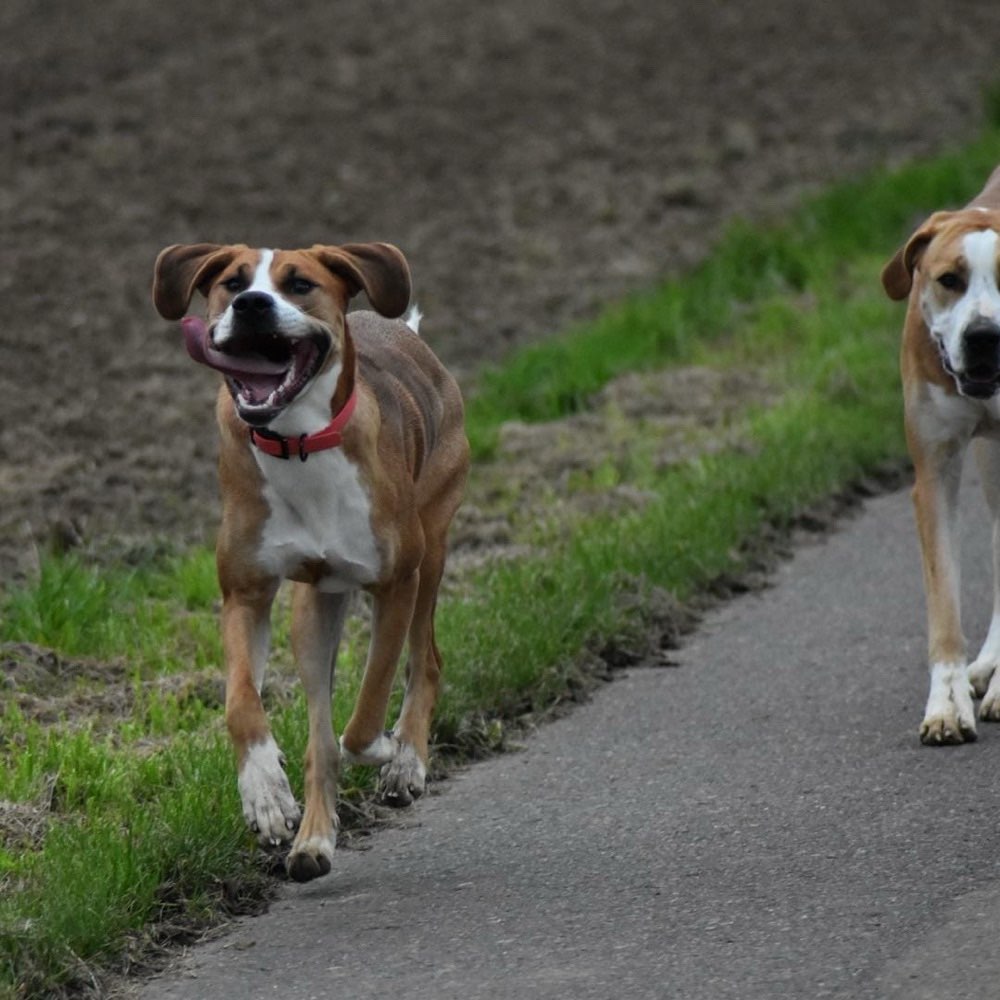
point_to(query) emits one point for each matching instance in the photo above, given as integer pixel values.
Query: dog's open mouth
(977, 382)
(264, 372)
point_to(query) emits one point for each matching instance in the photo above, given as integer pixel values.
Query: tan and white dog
(343, 458)
(949, 269)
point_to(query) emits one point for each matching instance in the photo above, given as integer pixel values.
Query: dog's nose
(982, 339)
(250, 304)
(981, 342)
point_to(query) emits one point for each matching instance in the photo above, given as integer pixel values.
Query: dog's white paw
(311, 857)
(947, 729)
(989, 708)
(980, 674)
(949, 717)
(269, 807)
(403, 779)
(380, 751)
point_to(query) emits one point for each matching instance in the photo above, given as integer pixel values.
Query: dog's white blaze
(268, 803)
(261, 282)
(262, 275)
(983, 294)
(319, 510)
(291, 320)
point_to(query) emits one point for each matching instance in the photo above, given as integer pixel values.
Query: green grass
(559, 376)
(143, 819)
(131, 840)
(155, 616)
(840, 417)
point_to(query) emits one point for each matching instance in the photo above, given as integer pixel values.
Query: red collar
(304, 445)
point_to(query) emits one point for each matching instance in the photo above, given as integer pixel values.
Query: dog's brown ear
(380, 269)
(183, 268)
(897, 275)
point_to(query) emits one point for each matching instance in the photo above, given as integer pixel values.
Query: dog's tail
(413, 318)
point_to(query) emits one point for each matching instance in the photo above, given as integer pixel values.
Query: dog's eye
(301, 286)
(951, 281)
(234, 284)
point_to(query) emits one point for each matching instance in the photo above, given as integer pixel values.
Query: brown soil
(533, 160)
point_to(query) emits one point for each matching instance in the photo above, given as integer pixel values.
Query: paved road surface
(760, 823)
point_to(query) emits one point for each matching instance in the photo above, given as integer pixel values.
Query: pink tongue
(196, 341)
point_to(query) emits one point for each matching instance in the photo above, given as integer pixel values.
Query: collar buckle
(279, 446)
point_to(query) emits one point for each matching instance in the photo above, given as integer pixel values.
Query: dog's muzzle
(264, 369)
(980, 374)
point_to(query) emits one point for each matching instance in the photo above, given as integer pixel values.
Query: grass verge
(139, 822)
(751, 264)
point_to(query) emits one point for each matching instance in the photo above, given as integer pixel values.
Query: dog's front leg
(949, 716)
(983, 673)
(317, 624)
(268, 804)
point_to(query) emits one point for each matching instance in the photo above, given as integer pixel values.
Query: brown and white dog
(950, 268)
(343, 458)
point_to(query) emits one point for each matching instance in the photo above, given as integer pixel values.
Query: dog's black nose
(982, 332)
(981, 342)
(982, 339)
(250, 304)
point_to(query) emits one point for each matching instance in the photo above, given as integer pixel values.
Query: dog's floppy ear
(897, 275)
(183, 268)
(380, 269)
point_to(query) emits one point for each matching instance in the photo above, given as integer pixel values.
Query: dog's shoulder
(392, 357)
(419, 401)
(381, 341)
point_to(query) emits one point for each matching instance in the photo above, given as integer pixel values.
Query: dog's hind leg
(365, 740)
(983, 674)
(317, 624)
(402, 780)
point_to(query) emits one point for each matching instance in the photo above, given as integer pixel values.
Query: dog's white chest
(320, 513)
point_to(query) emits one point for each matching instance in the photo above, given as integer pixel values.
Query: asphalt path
(760, 822)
